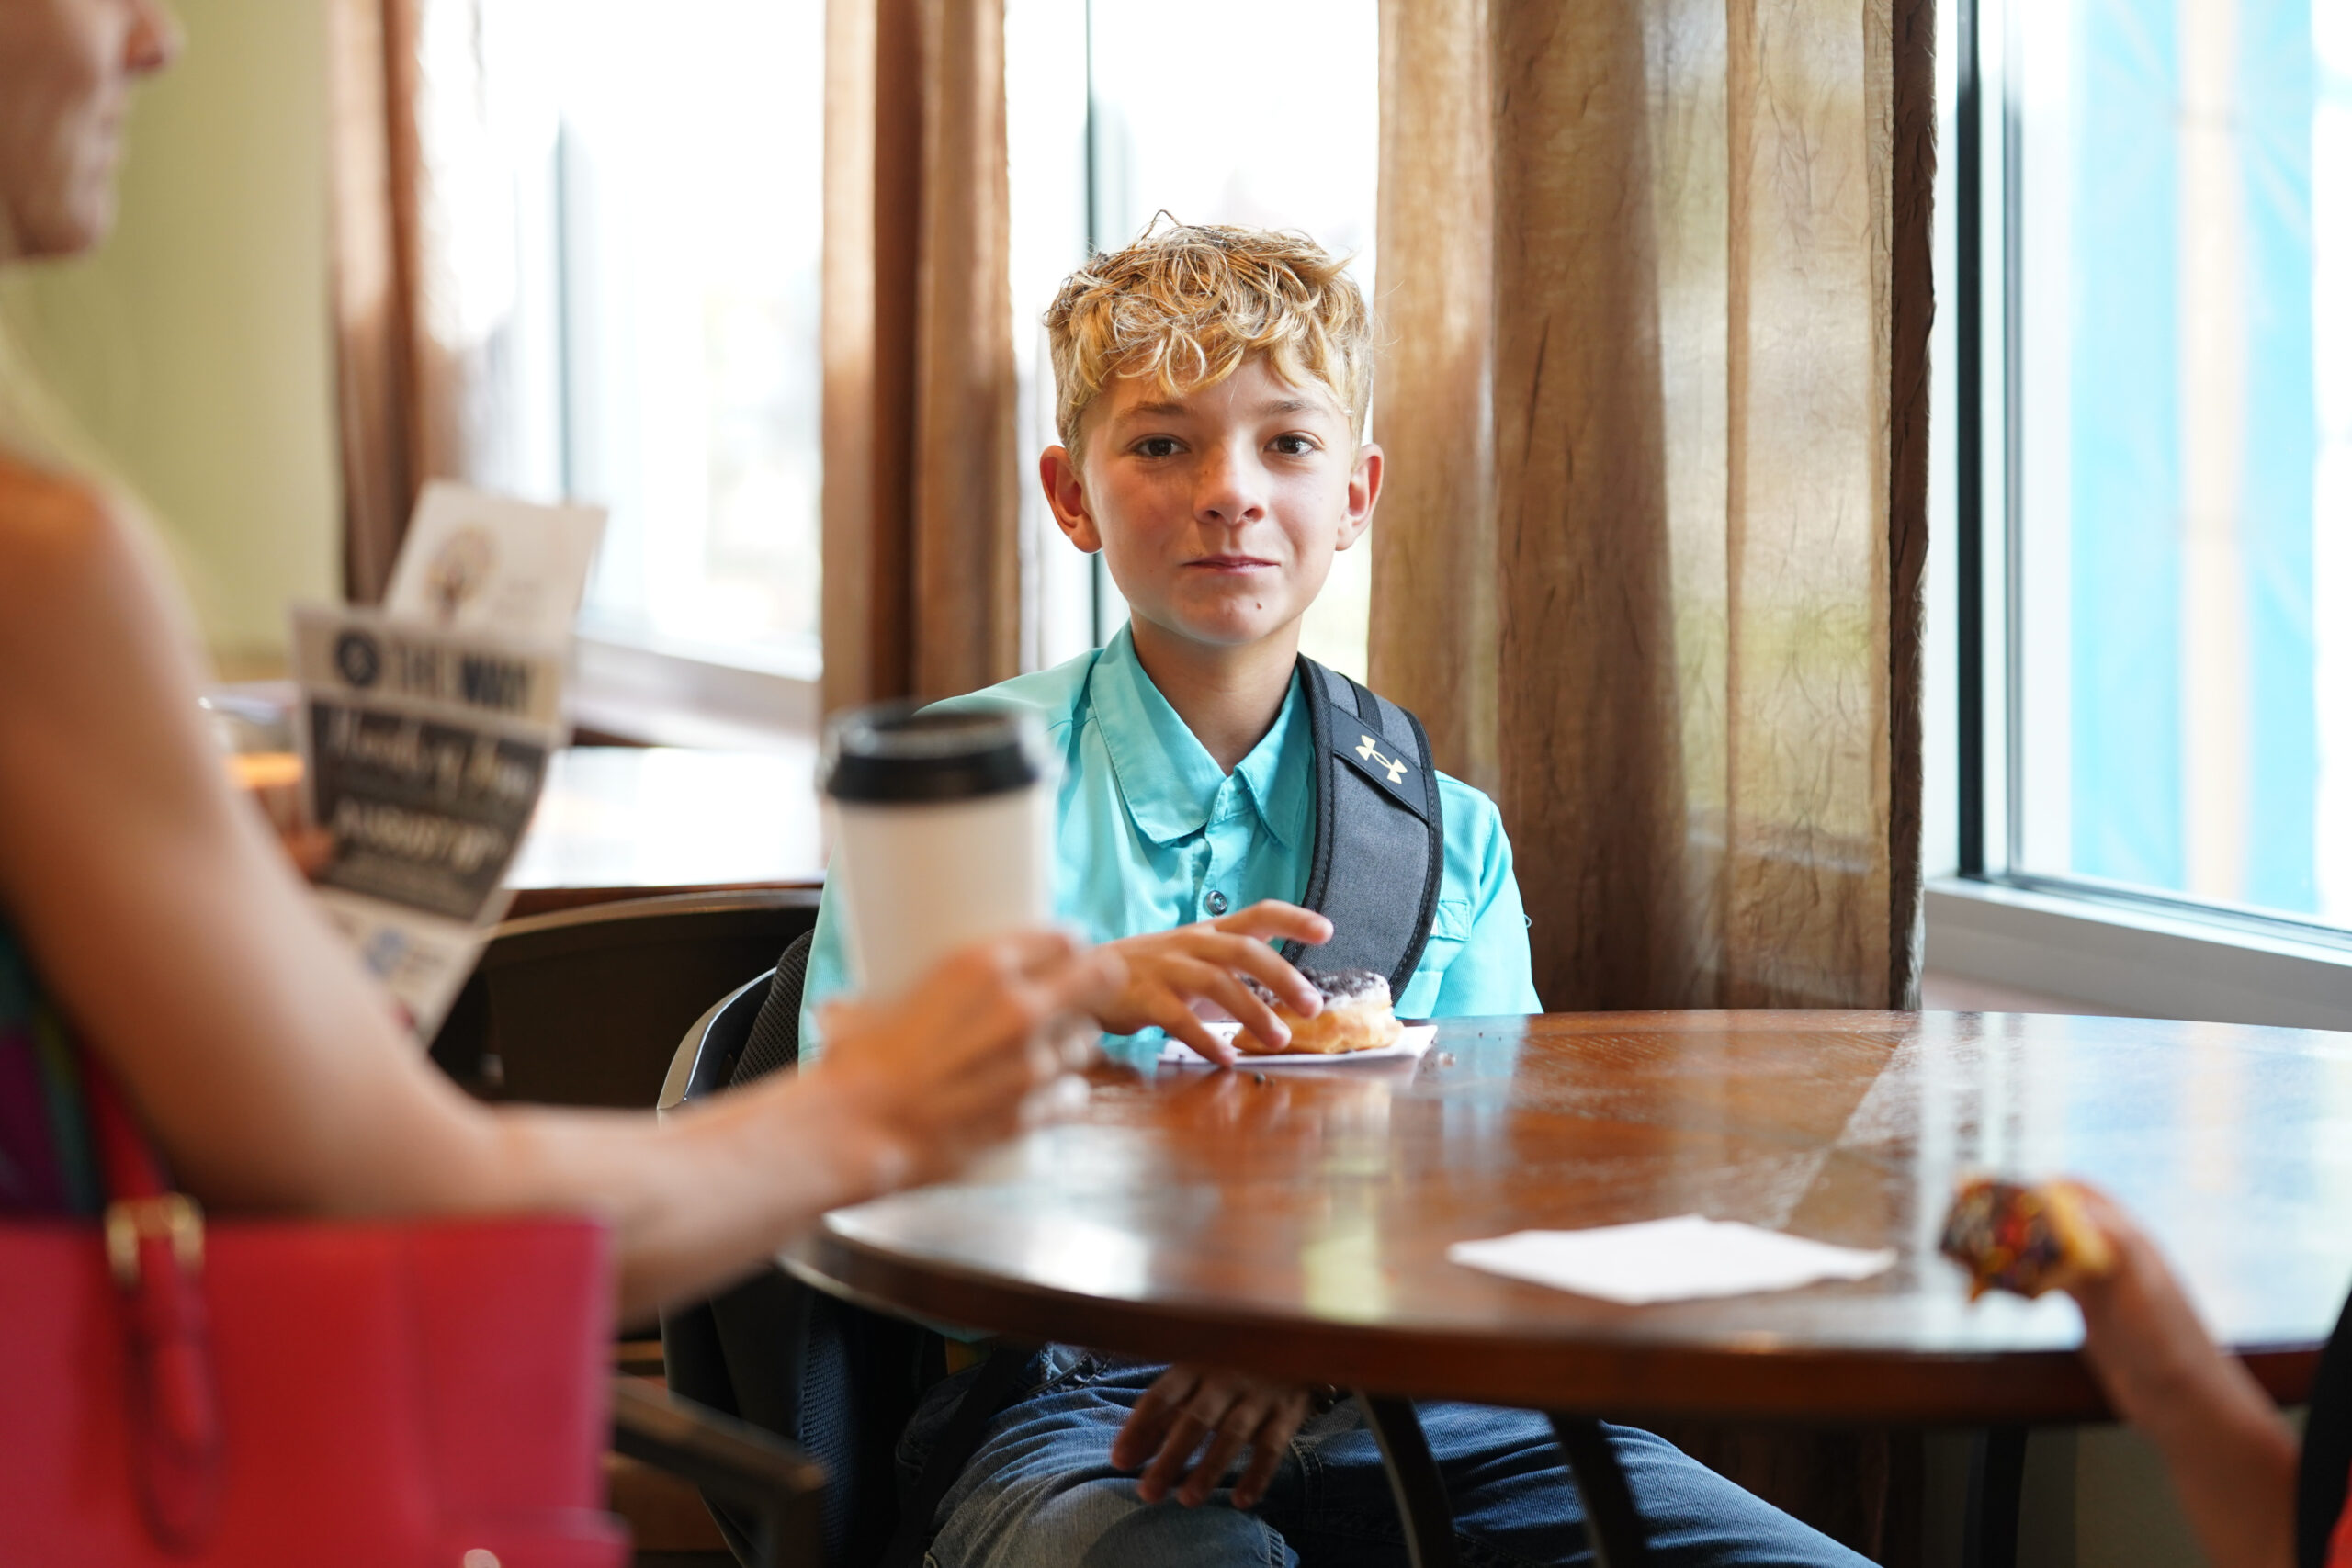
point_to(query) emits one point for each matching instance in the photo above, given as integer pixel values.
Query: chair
(836, 1379)
(773, 1491)
(581, 1007)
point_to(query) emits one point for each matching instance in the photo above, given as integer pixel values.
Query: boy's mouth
(1230, 563)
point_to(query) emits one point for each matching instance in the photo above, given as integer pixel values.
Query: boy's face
(1217, 511)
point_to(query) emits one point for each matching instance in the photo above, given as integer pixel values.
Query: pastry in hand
(1356, 1016)
(2023, 1239)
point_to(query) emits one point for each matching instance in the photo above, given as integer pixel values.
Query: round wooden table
(1295, 1220)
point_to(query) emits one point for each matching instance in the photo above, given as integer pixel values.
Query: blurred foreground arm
(169, 927)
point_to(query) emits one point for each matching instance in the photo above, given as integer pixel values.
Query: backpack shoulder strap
(1379, 831)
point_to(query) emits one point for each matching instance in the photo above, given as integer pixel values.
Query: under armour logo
(1370, 752)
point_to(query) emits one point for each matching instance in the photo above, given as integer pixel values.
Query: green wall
(195, 345)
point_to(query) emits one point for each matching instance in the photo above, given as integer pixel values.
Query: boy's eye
(1294, 445)
(1156, 446)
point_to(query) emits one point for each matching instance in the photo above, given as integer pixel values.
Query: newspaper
(424, 751)
(472, 562)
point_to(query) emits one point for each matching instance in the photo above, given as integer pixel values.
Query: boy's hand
(1170, 971)
(1190, 1404)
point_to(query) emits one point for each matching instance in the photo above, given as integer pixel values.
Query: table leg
(1412, 1475)
(1611, 1521)
(1995, 1487)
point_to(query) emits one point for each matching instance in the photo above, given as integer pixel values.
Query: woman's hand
(1170, 971)
(2232, 1459)
(1230, 1411)
(922, 1083)
(311, 849)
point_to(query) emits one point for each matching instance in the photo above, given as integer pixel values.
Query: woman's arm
(2232, 1458)
(170, 928)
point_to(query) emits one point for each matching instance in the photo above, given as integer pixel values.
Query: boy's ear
(1066, 493)
(1364, 493)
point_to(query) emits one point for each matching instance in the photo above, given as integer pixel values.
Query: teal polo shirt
(1153, 834)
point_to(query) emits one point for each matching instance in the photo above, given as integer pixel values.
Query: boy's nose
(1232, 489)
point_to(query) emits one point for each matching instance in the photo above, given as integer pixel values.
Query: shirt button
(1216, 901)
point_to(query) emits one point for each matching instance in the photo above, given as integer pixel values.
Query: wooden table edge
(1772, 1386)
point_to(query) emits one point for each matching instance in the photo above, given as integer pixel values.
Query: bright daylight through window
(688, 173)
(2180, 427)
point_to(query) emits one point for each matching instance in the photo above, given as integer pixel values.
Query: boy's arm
(1494, 972)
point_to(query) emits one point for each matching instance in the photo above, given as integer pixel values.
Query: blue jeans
(1041, 1490)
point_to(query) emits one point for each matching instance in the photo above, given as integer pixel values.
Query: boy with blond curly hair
(1213, 386)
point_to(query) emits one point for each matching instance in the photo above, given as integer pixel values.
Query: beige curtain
(384, 421)
(921, 514)
(1655, 283)
(428, 279)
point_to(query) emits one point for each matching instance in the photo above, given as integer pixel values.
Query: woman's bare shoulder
(58, 534)
(86, 595)
(49, 516)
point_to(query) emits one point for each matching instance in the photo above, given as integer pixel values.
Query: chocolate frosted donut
(1357, 1015)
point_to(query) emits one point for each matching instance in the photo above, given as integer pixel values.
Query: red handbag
(179, 1392)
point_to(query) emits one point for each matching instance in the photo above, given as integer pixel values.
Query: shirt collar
(1168, 778)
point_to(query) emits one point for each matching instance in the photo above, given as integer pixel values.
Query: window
(1215, 120)
(634, 207)
(2154, 478)
(693, 183)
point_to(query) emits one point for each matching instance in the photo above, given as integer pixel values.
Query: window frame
(2136, 950)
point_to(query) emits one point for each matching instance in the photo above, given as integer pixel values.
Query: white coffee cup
(943, 827)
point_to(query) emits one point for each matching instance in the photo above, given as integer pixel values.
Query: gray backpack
(1379, 831)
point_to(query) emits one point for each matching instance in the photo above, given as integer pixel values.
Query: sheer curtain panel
(921, 509)
(1655, 293)
(443, 124)
(380, 379)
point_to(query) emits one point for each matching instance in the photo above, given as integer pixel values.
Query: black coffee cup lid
(898, 753)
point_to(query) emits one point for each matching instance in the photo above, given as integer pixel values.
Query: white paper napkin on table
(1668, 1260)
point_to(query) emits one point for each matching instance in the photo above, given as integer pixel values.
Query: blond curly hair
(1190, 303)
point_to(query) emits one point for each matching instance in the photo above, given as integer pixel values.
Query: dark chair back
(839, 1381)
(705, 1063)
(580, 1008)
(585, 1006)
